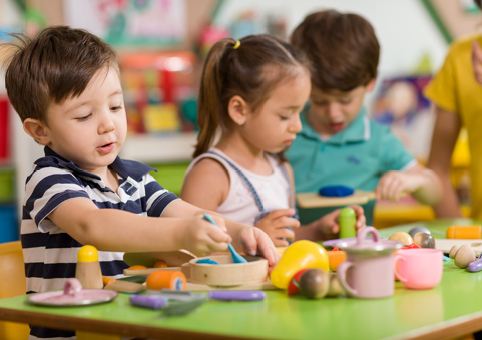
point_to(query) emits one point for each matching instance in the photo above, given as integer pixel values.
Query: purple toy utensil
(148, 301)
(237, 295)
(475, 266)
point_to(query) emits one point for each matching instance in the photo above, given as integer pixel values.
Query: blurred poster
(401, 105)
(130, 22)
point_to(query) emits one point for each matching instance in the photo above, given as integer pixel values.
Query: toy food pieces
(424, 240)
(87, 270)
(465, 232)
(402, 237)
(462, 255)
(315, 284)
(347, 222)
(336, 191)
(161, 279)
(418, 229)
(299, 255)
(336, 257)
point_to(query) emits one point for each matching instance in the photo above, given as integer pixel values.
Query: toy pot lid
(374, 246)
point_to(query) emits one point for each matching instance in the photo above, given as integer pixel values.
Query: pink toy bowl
(419, 268)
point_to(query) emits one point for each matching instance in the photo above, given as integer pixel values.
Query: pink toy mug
(368, 271)
(419, 268)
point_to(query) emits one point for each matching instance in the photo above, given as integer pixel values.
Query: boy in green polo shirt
(339, 144)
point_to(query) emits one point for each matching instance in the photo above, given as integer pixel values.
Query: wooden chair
(12, 283)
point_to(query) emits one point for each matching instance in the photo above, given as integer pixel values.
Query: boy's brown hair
(56, 65)
(342, 48)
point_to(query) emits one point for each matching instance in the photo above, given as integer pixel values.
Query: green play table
(451, 309)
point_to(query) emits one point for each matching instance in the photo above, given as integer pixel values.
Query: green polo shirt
(356, 157)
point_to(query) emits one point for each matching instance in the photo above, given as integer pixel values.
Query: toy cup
(368, 271)
(419, 268)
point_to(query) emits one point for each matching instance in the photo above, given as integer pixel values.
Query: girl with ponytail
(251, 95)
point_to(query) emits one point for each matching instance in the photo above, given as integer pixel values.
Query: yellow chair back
(12, 283)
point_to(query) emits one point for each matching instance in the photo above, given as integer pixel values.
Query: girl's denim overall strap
(248, 183)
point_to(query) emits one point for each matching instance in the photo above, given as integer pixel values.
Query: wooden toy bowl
(226, 273)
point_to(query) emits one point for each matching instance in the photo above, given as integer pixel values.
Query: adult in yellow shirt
(457, 95)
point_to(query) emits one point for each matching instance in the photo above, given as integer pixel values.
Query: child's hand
(274, 225)
(202, 238)
(395, 184)
(328, 225)
(257, 242)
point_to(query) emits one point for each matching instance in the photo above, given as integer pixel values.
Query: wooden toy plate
(226, 273)
(446, 244)
(314, 200)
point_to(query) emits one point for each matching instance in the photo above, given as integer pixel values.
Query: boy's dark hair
(342, 48)
(250, 68)
(52, 67)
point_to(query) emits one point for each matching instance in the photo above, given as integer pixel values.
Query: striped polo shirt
(50, 254)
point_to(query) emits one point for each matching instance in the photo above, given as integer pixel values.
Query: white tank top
(274, 191)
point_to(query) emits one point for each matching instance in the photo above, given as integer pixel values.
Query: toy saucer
(72, 295)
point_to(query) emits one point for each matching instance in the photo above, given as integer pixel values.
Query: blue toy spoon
(236, 257)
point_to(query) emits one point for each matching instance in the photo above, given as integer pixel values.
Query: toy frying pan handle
(341, 273)
(363, 232)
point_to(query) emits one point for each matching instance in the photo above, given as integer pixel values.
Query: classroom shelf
(159, 149)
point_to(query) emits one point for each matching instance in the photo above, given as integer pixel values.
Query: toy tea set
(361, 265)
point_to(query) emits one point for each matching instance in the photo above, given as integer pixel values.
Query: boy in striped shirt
(65, 86)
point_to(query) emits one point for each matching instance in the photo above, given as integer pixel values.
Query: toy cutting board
(314, 200)
(446, 244)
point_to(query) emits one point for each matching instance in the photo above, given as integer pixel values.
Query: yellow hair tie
(236, 45)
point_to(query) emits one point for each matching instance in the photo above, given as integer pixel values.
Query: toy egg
(453, 251)
(464, 256)
(424, 240)
(315, 283)
(417, 230)
(402, 237)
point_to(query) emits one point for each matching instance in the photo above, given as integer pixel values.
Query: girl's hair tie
(236, 45)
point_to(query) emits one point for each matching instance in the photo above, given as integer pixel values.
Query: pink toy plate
(72, 295)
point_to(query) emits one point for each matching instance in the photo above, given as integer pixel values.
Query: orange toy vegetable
(160, 264)
(159, 279)
(465, 232)
(137, 267)
(335, 258)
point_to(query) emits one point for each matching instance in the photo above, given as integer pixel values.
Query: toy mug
(368, 271)
(419, 268)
